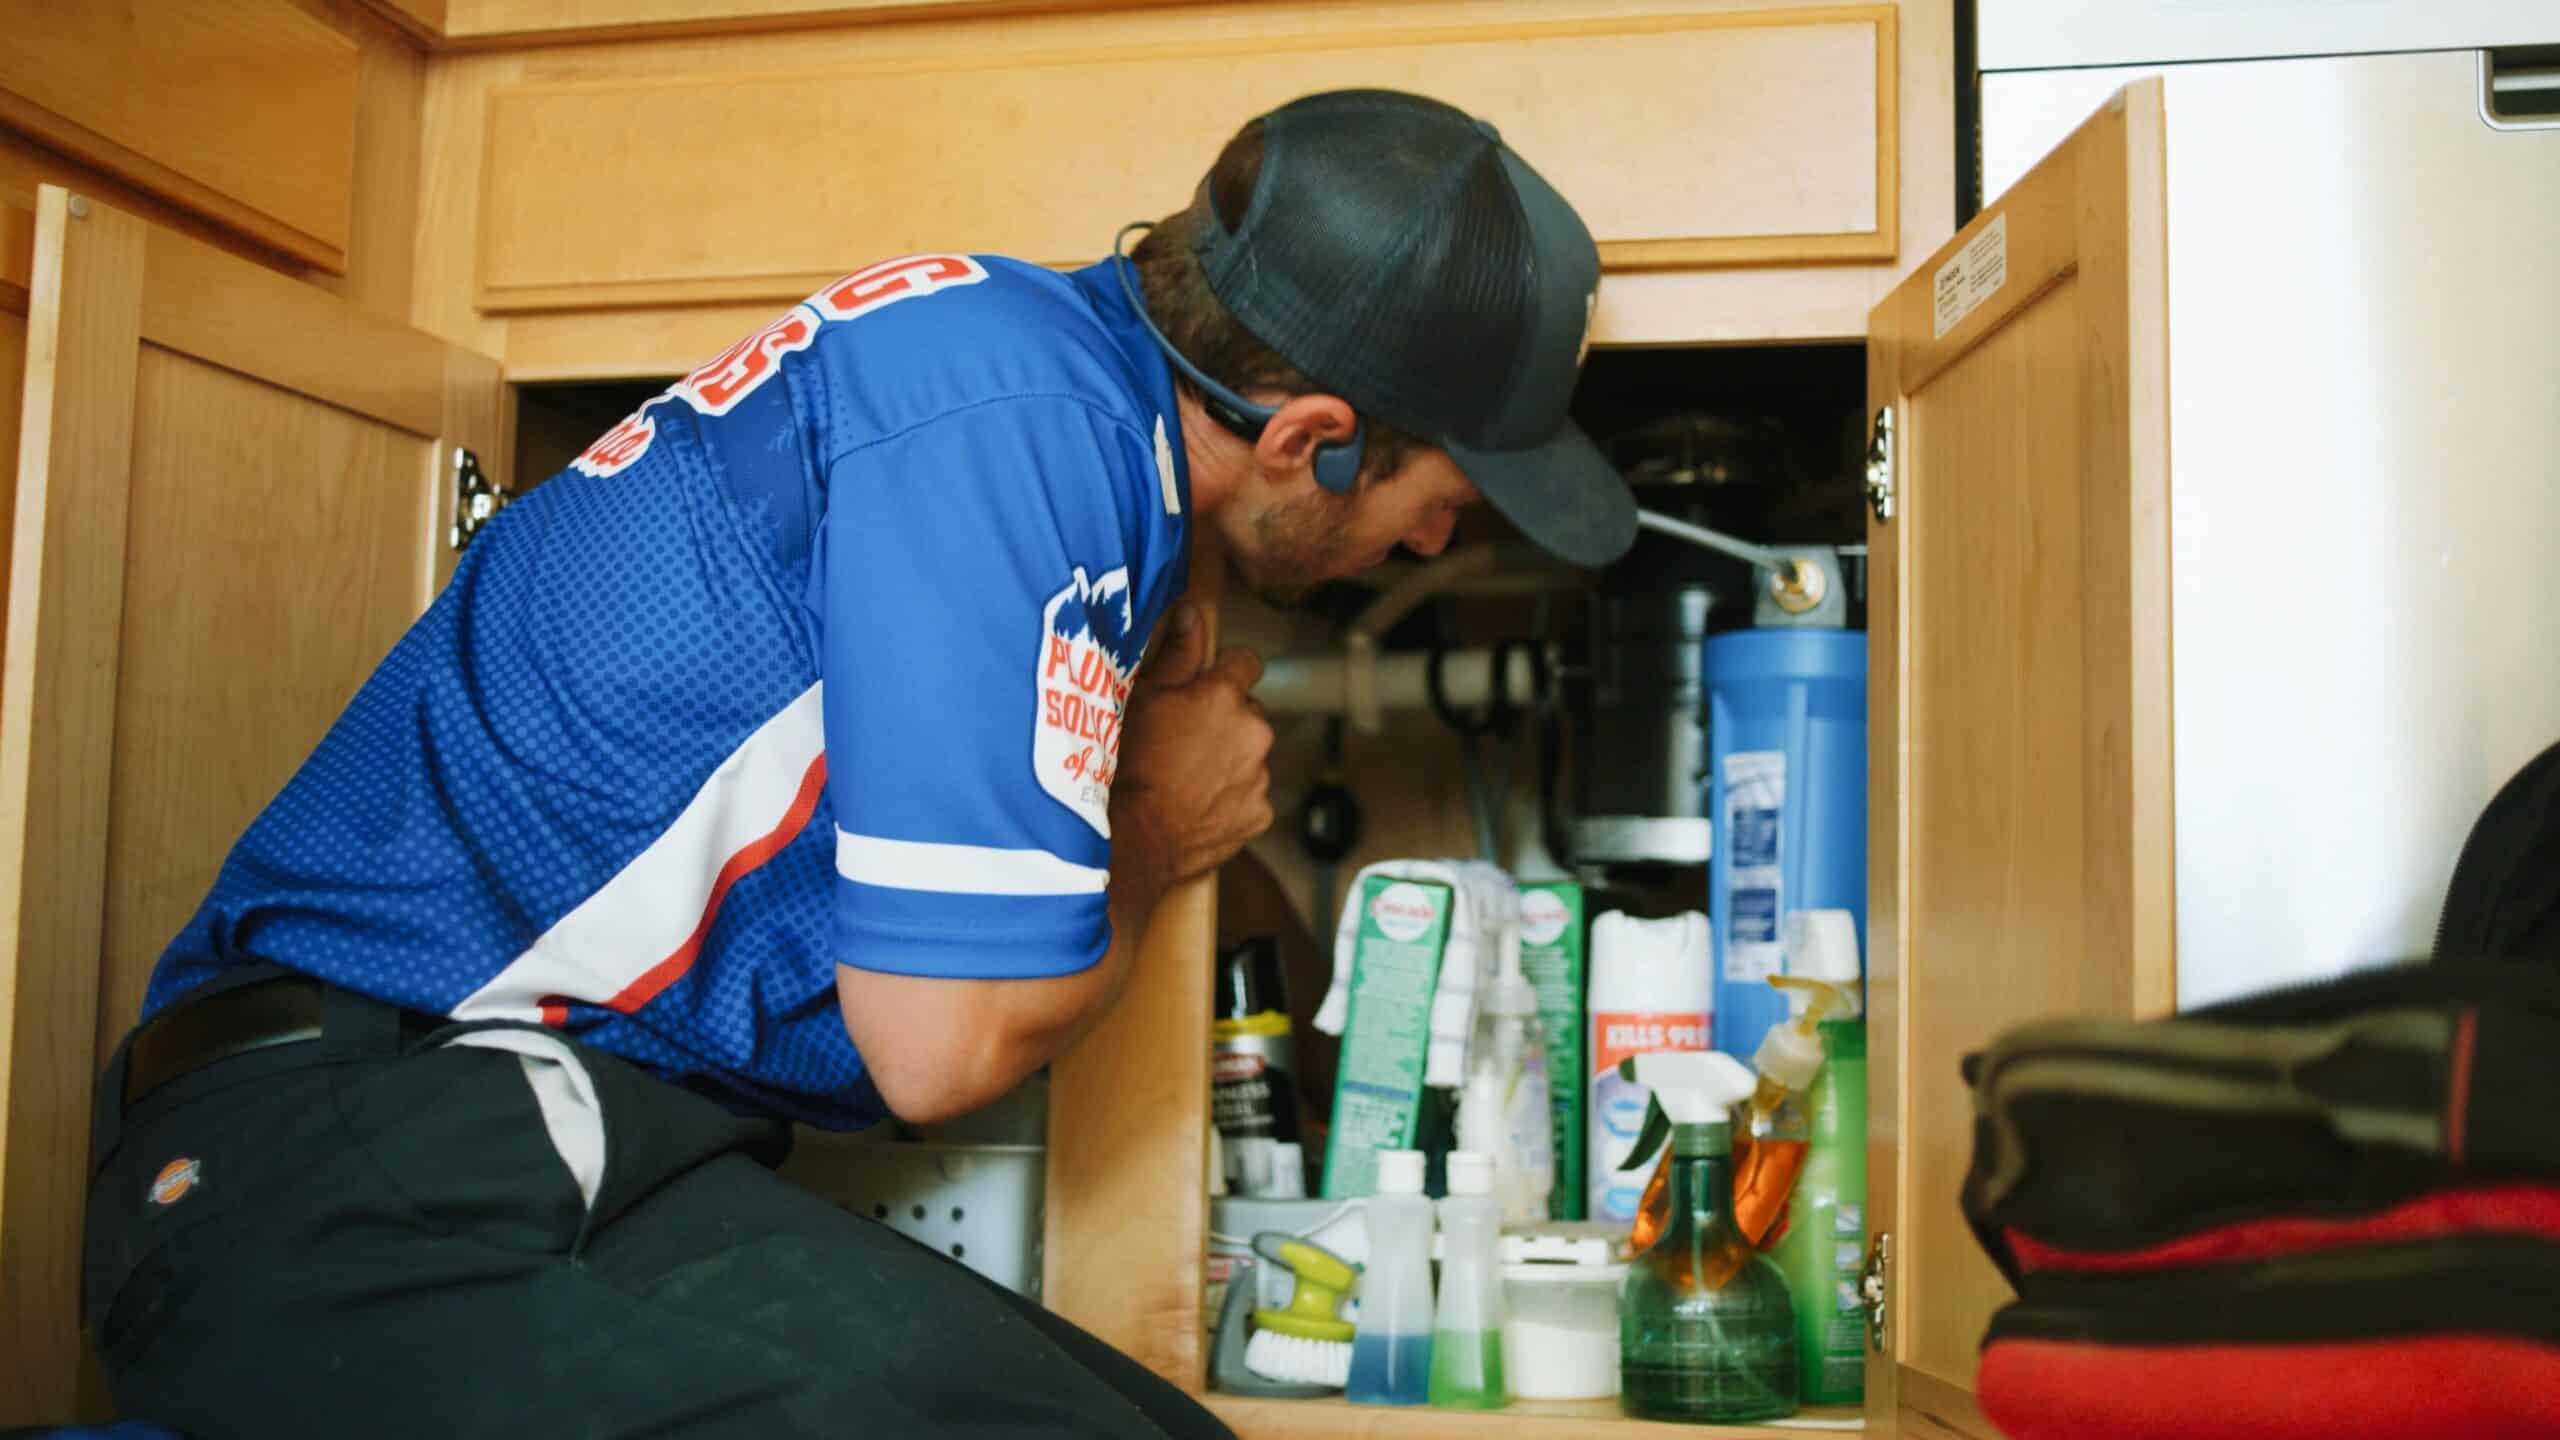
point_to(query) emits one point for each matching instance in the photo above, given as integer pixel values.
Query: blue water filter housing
(1787, 787)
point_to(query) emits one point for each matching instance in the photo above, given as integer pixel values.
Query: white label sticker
(1403, 912)
(1975, 274)
(1542, 917)
(1087, 655)
(1755, 802)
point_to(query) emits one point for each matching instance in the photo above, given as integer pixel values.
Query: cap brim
(1563, 494)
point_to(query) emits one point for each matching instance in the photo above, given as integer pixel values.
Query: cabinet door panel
(227, 508)
(2020, 837)
(1783, 149)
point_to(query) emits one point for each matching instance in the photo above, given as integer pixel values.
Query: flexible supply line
(1760, 555)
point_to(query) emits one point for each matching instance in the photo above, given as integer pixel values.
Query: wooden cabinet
(228, 481)
(232, 496)
(2019, 768)
(2019, 834)
(611, 210)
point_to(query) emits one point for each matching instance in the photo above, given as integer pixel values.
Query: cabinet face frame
(123, 317)
(2019, 839)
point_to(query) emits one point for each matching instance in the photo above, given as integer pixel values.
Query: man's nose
(1431, 536)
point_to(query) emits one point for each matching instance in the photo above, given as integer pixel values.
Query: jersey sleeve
(979, 630)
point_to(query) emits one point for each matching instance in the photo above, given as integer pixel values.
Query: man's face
(1300, 535)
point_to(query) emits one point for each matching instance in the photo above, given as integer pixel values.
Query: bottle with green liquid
(1705, 1328)
(1466, 1339)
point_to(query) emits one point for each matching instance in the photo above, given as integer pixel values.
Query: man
(789, 758)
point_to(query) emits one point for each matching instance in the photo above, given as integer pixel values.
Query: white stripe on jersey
(648, 917)
(961, 869)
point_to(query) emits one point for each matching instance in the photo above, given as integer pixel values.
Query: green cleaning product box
(1377, 1087)
(1552, 934)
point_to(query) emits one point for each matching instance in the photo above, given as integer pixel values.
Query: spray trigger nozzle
(1689, 1088)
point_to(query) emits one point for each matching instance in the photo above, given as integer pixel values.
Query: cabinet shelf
(1521, 1420)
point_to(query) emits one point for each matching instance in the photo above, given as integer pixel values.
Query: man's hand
(1195, 762)
(1194, 785)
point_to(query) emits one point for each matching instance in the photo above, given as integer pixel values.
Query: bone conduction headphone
(1337, 462)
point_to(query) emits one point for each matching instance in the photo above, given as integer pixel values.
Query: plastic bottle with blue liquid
(1391, 1352)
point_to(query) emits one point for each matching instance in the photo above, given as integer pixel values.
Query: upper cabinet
(623, 207)
(1687, 139)
(243, 112)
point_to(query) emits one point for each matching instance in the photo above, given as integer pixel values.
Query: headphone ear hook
(1337, 463)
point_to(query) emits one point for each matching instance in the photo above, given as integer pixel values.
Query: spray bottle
(1821, 1247)
(1781, 1105)
(1506, 1110)
(1770, 1148)
(1706, 1331)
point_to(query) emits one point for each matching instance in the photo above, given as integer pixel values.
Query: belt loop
(354, 1026)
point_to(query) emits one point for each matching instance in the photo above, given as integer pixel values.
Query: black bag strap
(2503, 902)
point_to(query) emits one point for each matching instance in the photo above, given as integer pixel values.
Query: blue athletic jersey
(818, 659)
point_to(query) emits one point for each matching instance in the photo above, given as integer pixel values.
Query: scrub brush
(1309, 1342)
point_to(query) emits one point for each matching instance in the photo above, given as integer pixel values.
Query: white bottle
(1506, 1109)
(1652, 988)
(1391, 1352)
(1466, 1340)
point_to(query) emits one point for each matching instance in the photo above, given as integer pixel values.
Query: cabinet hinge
(477, 499)
(1880, 464)
(1875, 1286)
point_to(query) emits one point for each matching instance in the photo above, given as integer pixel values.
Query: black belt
(285, 1009)
(256, 1009)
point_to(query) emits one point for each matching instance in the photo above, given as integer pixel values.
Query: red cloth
(2453, 1387)
(2512, 1209)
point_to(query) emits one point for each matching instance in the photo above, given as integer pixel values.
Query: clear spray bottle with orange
(1769, 1149)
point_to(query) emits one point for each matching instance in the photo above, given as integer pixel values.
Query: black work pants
(374, 1234)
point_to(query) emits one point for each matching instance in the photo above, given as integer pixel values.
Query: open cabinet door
(2019, 835)
(233, 494)
(1126, 1223)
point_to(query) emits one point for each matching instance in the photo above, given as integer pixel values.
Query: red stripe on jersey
(756, 852)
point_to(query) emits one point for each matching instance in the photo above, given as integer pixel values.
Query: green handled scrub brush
(1308, 1342)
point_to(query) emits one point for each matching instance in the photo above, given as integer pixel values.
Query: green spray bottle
(1822, 1250)
(1705, 1329)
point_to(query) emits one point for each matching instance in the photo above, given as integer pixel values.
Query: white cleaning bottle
(1506, 1109)
(1652, 986)
(1391, 1352)
(1466, 1339)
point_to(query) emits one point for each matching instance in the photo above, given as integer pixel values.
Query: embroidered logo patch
(176, 1181)
(1087, 656)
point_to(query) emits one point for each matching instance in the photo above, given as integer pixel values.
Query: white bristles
(1275, 1356)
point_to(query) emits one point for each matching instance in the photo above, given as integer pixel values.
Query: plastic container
(1787, 761)
(1560, 1317)
(1253, 1088)
(1505, 1110)
(1652, 983)
(1466, 1338)
(1706, 1332)
(1823, 1253)
(1391, 1353)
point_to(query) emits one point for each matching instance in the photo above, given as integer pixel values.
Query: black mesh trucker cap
(1397, 252)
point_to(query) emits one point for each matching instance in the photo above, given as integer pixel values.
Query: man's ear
(1302, 423)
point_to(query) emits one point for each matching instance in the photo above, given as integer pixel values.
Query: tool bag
(2326, 1212)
